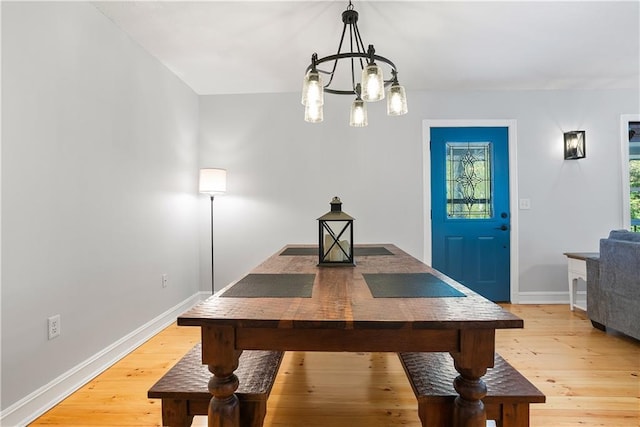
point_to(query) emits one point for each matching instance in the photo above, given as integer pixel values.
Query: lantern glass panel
(336, 241)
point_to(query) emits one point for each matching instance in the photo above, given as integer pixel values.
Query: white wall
(99, 173)
(283, 172)
(100, 150)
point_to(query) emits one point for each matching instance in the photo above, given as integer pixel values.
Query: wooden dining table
(388, 302)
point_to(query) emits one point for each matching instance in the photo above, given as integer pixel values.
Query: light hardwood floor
(590, 379)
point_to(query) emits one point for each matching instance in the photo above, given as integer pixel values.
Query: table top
(582, 255)
(341, 298)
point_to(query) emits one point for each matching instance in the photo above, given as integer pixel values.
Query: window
(469, 180)
(634, 175)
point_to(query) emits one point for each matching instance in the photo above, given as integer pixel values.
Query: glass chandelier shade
(371, 88)
(372, 83)
(396, 100)
(358, 116)
(313, 113)
(312, 89)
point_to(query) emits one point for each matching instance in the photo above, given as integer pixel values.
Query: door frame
(511, 126)
(624, 159)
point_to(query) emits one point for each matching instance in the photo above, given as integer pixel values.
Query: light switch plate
(524, 204)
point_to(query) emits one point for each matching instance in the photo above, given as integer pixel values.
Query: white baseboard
(38, 402)
(543, 297)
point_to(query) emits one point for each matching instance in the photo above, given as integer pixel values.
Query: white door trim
(624, 159)
(513, 187)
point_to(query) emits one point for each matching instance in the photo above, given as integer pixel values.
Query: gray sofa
(613, 284)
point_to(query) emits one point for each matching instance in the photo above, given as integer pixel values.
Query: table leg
(218, 352)
(469, 410)
(573, 283)
(475, 356)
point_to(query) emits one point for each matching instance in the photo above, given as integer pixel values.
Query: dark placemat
(365, 251)
(372, 250)
(409, 285)
(299, 251)
(272, 286)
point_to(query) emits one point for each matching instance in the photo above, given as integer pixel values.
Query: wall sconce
(574, 145)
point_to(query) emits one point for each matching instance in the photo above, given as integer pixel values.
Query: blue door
(470, 218)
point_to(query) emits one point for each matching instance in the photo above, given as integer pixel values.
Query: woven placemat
(272, 286)
(409, 285)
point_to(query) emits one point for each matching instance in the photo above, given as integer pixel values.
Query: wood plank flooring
(590, 379)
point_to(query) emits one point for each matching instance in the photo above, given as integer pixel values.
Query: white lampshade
(213, 181)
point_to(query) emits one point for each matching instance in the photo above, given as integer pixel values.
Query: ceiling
(231, 47)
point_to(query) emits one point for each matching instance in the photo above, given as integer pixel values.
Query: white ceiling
(222, 47)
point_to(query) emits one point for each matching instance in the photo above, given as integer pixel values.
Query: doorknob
(503, 227)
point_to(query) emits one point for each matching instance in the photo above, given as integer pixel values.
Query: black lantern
(335, 240)
(575, 145)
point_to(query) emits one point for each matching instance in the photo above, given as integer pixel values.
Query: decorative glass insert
(634, 174)
(469, 169)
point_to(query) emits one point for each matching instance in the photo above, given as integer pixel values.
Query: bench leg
(514, 415)
(252, 413)
(175, 413)
(436, 414)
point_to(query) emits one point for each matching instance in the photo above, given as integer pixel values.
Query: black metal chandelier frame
(350, 19)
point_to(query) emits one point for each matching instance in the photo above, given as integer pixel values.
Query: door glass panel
(634, 174)
(468, 172)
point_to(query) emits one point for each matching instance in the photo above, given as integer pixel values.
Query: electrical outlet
(165, 280)
(54, 326)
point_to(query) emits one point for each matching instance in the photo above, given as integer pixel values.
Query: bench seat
(431, 376)
(184, 393)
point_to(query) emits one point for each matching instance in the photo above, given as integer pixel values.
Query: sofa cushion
(624, 235)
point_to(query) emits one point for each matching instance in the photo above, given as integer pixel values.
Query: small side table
(577, 269)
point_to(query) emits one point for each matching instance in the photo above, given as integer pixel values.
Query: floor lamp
(213, 182)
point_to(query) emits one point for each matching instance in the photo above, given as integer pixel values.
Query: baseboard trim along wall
(545, 297)
(37, 403)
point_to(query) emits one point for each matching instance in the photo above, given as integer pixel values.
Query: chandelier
(371, 87)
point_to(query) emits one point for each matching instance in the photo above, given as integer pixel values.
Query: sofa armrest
(620, 268)
(614, 300)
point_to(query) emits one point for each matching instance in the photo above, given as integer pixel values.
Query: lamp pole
(212, 182)
(213, 288)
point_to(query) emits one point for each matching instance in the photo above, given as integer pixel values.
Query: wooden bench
(184, 393)
(431, 376)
